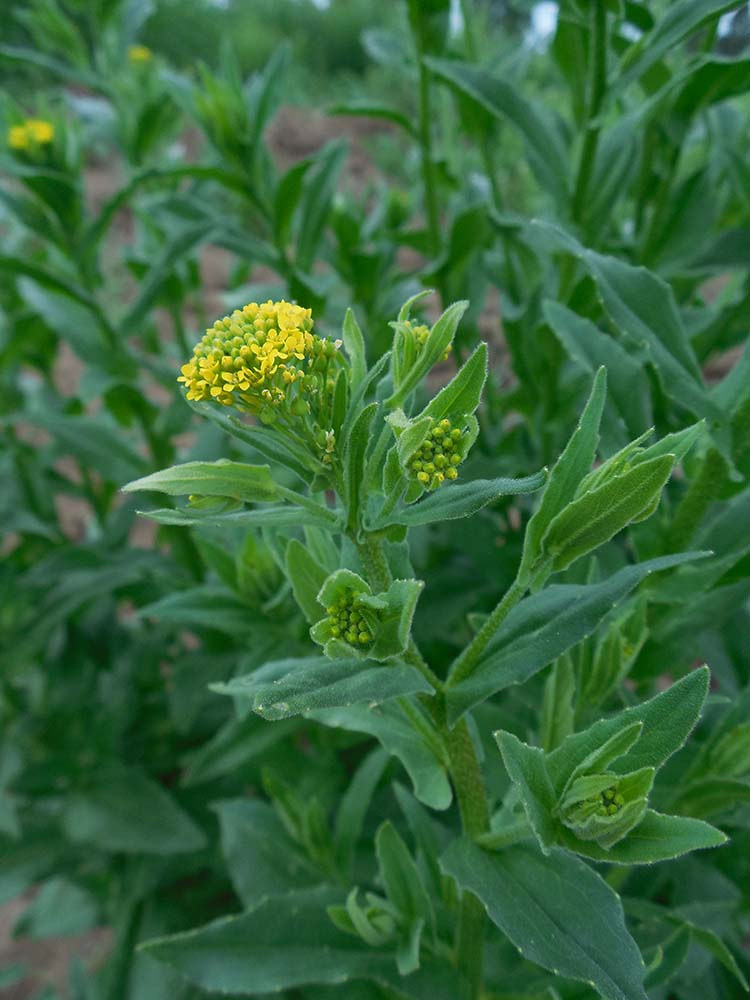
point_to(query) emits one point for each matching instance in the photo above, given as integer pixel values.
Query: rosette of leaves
(591, 794)
(362, 624)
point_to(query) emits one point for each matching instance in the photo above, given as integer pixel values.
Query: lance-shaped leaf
(543, 626)
(546, 150)
(409, 737)
(306, 576)
(250, 483)
(567, 473)
(464, 391)
(557, 911)
(438, 341)
(451, 502)
(253, 953)
(406, 892)
(526, 769)
(290, 687)
(666, 719)
(354, 343)
(599, 514)
(655, 838)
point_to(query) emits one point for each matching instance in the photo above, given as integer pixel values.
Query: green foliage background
(173, 749)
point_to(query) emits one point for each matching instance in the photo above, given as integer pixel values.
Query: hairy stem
(466, 662)
(468, 782)
(466, 776)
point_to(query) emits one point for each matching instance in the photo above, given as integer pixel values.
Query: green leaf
(438, 341)
(60, 908)
(123, 810)
(680, 21)
(290, 687)
(450, 501)
(355, 451)
(599, 514)
(526, 769)
(364, 107)
(354, 344)
(262, 860)
(319, 189)
(262, 517)
(306, 576)
(649, 912)
(206, 606)
(546, 150)
(714, 796)
(567, 473)
(545, 625)
(403, 883)
(153, 284)
(642, 307)
(464, 391)
(591, 348)
(417, 748)
(350, 815)
(254, 953)
(656, 838)
(557, 911)
(667, 720)
(558, 704)
(250, 483)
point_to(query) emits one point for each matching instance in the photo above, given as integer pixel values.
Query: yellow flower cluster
(33, 132)
(251, 358)
(438, 456)
(140, 54)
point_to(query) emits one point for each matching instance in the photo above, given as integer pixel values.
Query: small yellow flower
(256, 357)
(40, 131)
(18, 137)
(140, 54)
(33, 132)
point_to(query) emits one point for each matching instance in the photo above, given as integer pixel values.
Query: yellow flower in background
(18, 137)
(33, 132)
(40, 131)
(140, 54)
(252, 358)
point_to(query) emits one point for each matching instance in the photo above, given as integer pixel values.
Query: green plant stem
(466, 662)
(597, 89)
(466, 774)
(428, 165)
(375, 564)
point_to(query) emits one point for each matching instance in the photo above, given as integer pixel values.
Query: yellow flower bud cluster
(347, 623)
(438, 457)
(140, 54)
(33, 132)
(254, 357)
(421, 333)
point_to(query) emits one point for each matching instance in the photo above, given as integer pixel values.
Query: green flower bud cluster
(420, 334)
(438, 457)
(346, 621)
(610, 802)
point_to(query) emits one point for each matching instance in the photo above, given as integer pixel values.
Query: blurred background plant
(577, 171)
